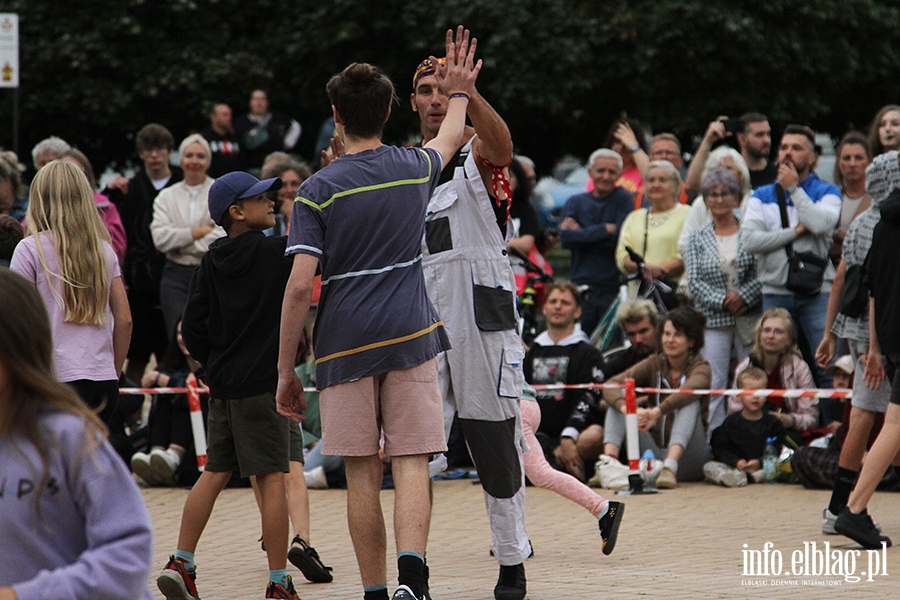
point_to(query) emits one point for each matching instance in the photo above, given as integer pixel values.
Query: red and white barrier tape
(176, 390)
(797, 393)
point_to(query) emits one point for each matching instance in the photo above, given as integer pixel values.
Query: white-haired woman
(653, 232)
(721, 276)
(182, 228)
(723, 156)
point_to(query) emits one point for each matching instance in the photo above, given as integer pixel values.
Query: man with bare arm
(471, 283)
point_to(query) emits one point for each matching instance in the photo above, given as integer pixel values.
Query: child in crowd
(842, 379)
(73, 522)
(739, 443)
(68, 257)
(230, 328)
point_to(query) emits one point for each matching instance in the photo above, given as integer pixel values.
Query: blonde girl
(68, 258)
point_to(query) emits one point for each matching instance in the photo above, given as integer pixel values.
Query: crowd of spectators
(725, 233)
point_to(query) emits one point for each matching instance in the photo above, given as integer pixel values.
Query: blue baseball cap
(234, 186)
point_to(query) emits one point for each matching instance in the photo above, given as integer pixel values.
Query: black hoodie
(883, 275)
(232, 318)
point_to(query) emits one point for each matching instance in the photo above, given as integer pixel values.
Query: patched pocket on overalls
(495, 308)
(511, 377)
(437, 235)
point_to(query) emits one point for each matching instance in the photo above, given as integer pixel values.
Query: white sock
(672, 464)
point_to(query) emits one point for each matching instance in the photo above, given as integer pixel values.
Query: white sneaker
(315, 479)
(828, 520)
(610, 474)
(140, 466)
(164, 463)
(722, 474)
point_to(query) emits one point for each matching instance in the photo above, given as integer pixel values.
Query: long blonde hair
(62, 203)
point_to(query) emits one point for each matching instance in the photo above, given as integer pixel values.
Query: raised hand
(461, 70)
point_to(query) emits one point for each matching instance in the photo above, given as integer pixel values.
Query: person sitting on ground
(740, 442)
(169, 461)
(541, 474)
(673, 425)
(563, 355)
(639, 319)
(775, 352)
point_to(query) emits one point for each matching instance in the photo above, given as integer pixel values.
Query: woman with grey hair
(182, 228)
(723, 156)
(653, 232)
(721, 277)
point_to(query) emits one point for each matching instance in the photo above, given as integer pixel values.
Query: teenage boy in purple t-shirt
(376, 333)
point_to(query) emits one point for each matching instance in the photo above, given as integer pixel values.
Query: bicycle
(648, 288)
(528, 299)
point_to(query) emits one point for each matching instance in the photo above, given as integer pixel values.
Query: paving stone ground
(691, 542)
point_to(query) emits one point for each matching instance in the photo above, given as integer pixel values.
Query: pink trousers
(541, 474)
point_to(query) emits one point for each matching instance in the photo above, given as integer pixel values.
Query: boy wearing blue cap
(234, 335)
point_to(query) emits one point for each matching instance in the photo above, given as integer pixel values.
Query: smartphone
(734, 125)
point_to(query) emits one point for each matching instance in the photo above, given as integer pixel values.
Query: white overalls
(471, 284)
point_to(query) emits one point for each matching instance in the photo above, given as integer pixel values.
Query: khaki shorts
(407, 404)
(247, 435)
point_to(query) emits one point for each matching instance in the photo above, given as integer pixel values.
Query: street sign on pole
(9, 50)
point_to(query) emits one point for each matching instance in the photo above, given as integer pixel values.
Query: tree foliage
(558, 71)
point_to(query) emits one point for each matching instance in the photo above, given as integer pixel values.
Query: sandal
(307, 560)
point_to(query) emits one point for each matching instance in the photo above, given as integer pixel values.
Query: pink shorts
(406, 404)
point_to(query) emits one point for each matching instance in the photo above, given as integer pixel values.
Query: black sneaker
(307, 560)
(511, 584)
(403, 593)
(609, 526)
(860, 528)
(425, 594)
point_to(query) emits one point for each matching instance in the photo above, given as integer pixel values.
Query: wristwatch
(791, 189)
(634, 147)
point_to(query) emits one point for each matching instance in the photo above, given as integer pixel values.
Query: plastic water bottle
(770, 457)
(647, 463)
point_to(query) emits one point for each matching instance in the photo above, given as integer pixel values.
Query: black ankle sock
(410, 569)
(376, 595)
(843, 485)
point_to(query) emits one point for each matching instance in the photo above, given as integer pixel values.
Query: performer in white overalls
(471, 284)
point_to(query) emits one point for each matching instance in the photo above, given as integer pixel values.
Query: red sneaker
(177, 582)
(276, 590)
